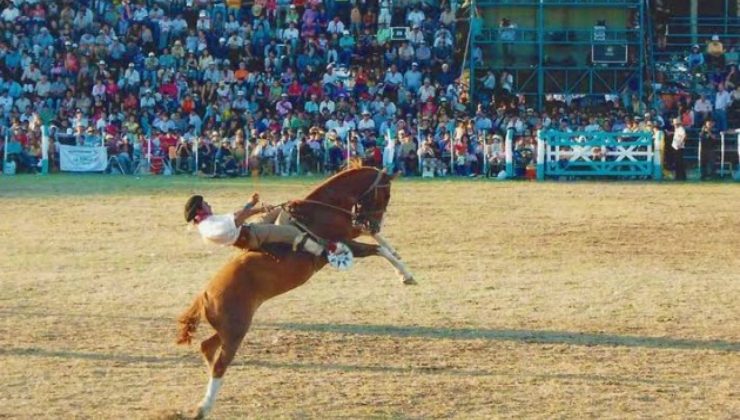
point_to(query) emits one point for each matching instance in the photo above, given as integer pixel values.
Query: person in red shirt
(131, 103)
(299, 6)
(188, 105)
(429, 108)
(169, 89)
(241, 73)
(315, 89)
(20, 136)
(167, 141)
(111, 88)
(71, 63)
(295, 90)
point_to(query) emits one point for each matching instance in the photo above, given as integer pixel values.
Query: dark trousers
(707, 162)
(679, 165)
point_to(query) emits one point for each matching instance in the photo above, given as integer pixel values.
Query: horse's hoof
(200, 413)
(410, 281)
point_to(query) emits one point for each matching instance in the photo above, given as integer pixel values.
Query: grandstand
(243, 88)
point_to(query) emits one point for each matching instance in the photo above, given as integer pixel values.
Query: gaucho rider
(230, 228)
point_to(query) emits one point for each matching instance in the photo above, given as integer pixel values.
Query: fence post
(541, 144)
(298, 154)
(737, 143)
(44, 149)
(5, 150)
(658, 155)
(722, 155)
(698, 158)
(196, 146)
(509, 152)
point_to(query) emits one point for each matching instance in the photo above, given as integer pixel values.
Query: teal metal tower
(566, 48)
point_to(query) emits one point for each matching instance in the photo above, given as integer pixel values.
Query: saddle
(338, 255)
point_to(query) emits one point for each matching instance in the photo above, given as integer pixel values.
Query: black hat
(192, 207)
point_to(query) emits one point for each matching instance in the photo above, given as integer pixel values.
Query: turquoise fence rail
(598, 154)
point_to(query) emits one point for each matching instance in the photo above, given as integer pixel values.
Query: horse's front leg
(380, 239)
(401, 268)
(361, 250)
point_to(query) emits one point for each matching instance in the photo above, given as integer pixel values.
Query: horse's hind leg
(209, 347)
(230, 337)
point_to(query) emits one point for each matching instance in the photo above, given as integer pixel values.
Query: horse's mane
(339, 176)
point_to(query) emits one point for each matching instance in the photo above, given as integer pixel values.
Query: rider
(230, 228)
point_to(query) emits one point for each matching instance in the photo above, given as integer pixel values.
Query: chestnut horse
(349, 204)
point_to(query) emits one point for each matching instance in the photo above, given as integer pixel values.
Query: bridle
(358, 214)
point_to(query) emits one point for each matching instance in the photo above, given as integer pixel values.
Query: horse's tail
(189, 320)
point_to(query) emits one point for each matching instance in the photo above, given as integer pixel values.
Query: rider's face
(205, 208)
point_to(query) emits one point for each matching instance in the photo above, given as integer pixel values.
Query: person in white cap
(283, 106)
(347, 45)
(412, 78)
(366, 123)
(204, 22)
(151, 64)
(415, 36)
(132, 77)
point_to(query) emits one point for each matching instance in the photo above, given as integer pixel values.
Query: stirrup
(299, 241)
(339, 255)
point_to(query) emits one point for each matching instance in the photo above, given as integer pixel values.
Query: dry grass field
(535, 300)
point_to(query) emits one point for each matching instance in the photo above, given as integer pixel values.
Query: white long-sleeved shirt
(219, 229)
(679, 138)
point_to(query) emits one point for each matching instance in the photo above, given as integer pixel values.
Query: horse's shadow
(522, 336)
(435, 333)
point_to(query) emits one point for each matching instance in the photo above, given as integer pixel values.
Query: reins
(353, 213)
(321, 203)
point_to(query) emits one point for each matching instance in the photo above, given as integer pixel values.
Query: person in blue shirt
(15, 90)
(13, 60)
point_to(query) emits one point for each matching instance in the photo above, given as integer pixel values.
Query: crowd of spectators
(705, 84)
(275, 86)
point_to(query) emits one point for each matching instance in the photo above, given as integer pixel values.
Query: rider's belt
(243, 240)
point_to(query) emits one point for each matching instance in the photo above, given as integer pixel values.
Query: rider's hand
(255, 199)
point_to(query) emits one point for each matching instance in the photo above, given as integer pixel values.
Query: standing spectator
(678, 145)
(707, 140)
(722, 101)
(507, 35)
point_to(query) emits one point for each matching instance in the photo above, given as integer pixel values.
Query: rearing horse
(345, 206)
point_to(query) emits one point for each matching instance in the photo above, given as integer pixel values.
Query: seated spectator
(702, 110)
(695, 58)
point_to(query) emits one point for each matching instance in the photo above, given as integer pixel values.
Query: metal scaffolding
(536, 72)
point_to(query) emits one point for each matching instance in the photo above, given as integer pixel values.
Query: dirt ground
(535, 300)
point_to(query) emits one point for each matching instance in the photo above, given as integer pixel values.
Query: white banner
(83, 158)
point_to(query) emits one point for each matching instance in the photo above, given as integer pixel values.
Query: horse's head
(372, 203)
(346, 204)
